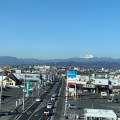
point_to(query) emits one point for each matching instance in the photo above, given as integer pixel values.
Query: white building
(99, 113)
(2, 79)
(100, 81)
(27, 76)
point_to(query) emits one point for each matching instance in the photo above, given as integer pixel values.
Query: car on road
(53, 98)
(46, 112)
(109, 100)
(113, 100)
(54, 95)
(72, 106)
(38, 100)
(103, 94)
(31, 89)
(46, 91)
(49, 105)
(116, 100)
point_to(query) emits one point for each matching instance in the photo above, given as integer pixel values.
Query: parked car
(49, 105)
(103, 94)
(72, 106)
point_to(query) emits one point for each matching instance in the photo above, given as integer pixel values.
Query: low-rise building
(9, 81)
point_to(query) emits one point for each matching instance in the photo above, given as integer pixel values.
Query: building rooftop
(100, 113)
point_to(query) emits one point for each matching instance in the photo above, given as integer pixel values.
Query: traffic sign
(27, 87)
(71, 74)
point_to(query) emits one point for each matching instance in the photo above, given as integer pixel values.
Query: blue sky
(48, 29)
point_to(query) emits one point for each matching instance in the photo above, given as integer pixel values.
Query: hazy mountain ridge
(90, 62)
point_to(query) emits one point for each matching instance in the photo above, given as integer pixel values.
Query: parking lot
(87, 100)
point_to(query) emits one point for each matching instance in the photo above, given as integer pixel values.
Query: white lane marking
(41, 117)
(31, 115)
(42, 104)
(29, 112)
(26, 110)
(36, 114)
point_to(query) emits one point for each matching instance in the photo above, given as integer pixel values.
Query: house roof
(100, 78)
(11, 76)
(100, 113)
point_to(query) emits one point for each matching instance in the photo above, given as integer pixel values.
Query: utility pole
(39, 85)
(66, 100)
(24, 94)
(1, 94)
(75, 89)
(38, 89)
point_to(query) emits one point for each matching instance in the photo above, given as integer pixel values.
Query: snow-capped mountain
(87, 56)
(8, 60)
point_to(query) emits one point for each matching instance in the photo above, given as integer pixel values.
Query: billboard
(71, 78)
(71, 74)
(27, 87)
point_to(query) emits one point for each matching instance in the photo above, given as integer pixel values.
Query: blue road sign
(71, 74)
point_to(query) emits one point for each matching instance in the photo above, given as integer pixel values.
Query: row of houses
(16, 79)
(13, 76)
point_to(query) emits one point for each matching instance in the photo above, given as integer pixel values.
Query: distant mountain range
(8, 60)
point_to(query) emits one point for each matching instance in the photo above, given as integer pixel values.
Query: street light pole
(38, 87)
(75, 89)
(24, 94)
(1, 94)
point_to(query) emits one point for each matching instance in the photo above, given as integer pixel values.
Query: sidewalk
(18, 110)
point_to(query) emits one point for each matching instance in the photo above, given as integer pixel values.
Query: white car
(38, 99)
(54, 95)
(52, 98)
(24, 90)
(103, 94)
(49, 105)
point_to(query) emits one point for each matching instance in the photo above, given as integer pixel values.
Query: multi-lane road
(36, 110)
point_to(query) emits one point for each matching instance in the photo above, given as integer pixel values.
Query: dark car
(116, 100)
(46, 112)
